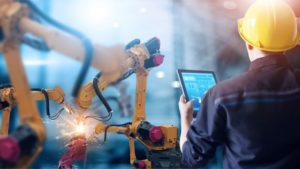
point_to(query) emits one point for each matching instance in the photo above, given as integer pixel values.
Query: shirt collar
(269, 61)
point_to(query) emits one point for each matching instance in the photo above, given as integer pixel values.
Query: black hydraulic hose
(101, 97)
(125, 76)
(46, 99)
(3, 86)
(100, 118)
(45, 93)
(89, 52)
(113, 125)
(99, 93)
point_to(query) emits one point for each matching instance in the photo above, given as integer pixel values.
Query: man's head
(269, 27)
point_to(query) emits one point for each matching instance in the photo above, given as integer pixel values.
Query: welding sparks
(80, 128)
(71, 127)
(74, 123)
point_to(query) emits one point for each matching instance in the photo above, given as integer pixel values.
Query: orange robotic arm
(8, 96)
(113, 62)
(25, 143)
(159, 138)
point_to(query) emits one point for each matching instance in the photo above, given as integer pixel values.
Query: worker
(255, 116)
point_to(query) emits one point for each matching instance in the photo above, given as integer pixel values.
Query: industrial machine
(8, 101)
(17, 19)
(123, 99)
(157, 138)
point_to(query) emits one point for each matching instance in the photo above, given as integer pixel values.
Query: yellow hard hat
(270, 25)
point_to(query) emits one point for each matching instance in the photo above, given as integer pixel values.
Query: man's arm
(199, 139)
(186, 112)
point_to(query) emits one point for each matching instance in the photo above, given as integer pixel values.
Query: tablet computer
(195, 84)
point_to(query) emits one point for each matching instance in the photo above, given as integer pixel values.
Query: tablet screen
(195, 84)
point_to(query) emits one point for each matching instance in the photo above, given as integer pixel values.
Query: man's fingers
(182, 99)
(191, 102)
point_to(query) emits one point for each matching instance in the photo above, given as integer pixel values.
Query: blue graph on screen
(197, 85)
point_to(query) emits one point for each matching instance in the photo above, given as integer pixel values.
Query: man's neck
(255, 57)
(261, 54)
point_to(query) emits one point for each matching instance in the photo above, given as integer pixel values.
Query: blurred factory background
(195, 34)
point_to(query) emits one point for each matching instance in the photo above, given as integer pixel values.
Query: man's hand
(185, 108)
(186, 114)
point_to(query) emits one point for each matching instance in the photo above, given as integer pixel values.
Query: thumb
(191, 102)
(182, 98)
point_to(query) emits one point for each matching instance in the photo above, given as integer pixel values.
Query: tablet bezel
(183, 88)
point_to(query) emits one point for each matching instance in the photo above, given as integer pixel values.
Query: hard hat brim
(258, 45)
